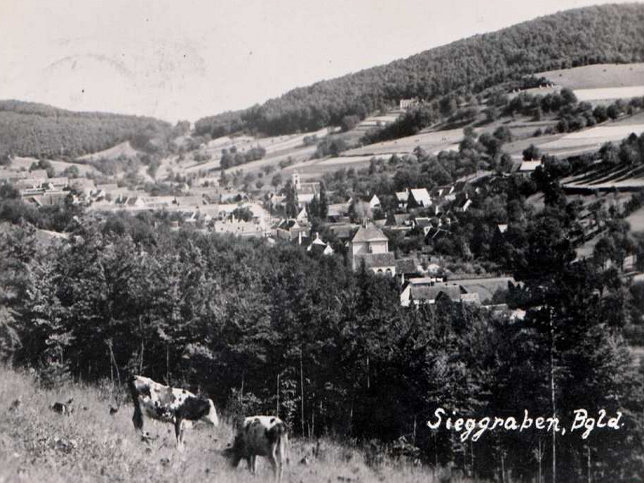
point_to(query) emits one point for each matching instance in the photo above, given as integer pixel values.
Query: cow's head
(235, 452)
(211, 416)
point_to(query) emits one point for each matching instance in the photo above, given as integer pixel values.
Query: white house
(421, 197)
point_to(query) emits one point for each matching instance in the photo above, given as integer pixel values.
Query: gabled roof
(529, 166)
(401, 218)
(421, 196)
(370, 233)
(425, 293)
(402, 195)
(343, 232)
(376, 260)
(338, 209)
(423, 221)
(406, 265)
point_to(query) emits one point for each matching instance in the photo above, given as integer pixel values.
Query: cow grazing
(63, 408)
(171, 405)
(260, 436)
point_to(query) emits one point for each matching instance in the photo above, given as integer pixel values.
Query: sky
(182, 60)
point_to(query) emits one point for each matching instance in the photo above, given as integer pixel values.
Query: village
(210, 208)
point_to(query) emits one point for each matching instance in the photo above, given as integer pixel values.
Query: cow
(63, 408)
(170, 405)
(260, 436)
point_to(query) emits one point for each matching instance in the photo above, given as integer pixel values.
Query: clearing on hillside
(96, 443)
(124, 149)
(597, 76)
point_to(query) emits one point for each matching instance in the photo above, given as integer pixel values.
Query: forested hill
(31, 129)
(600, 34)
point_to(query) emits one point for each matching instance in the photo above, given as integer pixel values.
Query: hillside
(92, 445)
(608, 34)
(30, 129)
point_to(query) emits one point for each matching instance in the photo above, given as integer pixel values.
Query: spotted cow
(260, 436)
(168, 404)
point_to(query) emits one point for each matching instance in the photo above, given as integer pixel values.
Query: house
(50, 198)
(337, 211)
(318, 246)
(419, 197)
(422, 223)
(302, 216)
(502, 228)
(402, 197)
(434, 233)
(446, 192)
(402, 219)
(374, 202)
(415, 294)
(305, 191)
(485, 287)
(30, 183)
(407, 267)
(529, 166)
(379, 263)
(369, 239)
(82, 186)
(291, 230)
(343, 231)
(56, 183)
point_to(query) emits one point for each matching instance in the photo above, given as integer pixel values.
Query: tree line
(30, 129)
(273, 329)
(598, 34)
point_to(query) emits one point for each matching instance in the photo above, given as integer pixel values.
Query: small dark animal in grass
(113, 410)
(15, 405)
(63, 408)
(260, 436)
(171, 405)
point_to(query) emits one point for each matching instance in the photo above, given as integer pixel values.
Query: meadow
(597, 76)
(37, 444)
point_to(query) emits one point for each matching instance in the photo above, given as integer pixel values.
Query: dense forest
(30, 129)
(599, 34)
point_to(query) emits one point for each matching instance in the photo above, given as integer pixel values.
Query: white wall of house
(359, 248)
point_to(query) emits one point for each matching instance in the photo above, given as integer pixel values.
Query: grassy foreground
(37, 444)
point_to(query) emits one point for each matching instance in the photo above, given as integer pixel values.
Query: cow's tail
(278, 434)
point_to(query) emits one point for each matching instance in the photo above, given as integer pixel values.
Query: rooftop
(369, 233)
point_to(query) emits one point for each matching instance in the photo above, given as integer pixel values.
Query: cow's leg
(273, 461)
(178, 432)
(137, 419)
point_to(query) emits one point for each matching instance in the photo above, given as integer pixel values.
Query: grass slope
(37, 444)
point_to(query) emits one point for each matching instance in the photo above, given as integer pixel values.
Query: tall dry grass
(37, 444)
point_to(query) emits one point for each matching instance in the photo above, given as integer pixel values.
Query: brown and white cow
(260, 436)
(168, 404)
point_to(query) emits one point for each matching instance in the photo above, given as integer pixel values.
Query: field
(597, 76)
(589, 139)
(124, 149)
(37, 444)
(609, 93)
(19, 163)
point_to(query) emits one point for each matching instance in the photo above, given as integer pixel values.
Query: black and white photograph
(322, 241)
